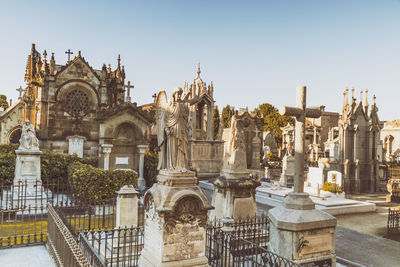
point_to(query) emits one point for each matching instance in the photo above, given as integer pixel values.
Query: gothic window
(77, 102)
(15, 136)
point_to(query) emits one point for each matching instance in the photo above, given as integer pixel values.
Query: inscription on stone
(76, 146)
(121, 160)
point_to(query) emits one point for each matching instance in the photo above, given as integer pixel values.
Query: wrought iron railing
(393, 223)
(61, 243)
(114, 247)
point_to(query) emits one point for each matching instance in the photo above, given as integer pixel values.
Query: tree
(273, 121)
(3, 102)
(226, 115)
(216, 122)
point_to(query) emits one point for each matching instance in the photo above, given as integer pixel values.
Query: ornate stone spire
(45, 66)
(366, 97)
(79, 54)
(361, 93)
(198, 70)
(352, 95)
(52, 64)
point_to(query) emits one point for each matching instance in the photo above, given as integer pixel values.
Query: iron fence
(393, 224)
(61, 243)
(113, 247)
(24, 214)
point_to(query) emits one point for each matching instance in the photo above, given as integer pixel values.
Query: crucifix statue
(300, 112)
(20, 91)
(69, 52)
(128, 88)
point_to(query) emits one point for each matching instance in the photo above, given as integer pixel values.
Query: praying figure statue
(28, 140)
(173, 131)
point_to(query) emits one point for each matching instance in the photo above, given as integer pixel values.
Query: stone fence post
(127, 207)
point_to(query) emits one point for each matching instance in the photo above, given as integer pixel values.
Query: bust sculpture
(28, 140)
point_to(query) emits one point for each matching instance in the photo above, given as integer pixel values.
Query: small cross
(154, 96)
(128, 87)
(20, 91)
(69, 52)
(257, 131)
(300, 112)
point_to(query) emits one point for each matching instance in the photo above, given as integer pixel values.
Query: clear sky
(253, 51)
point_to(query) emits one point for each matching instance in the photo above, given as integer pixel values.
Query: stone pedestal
(301, 233)
(27, 184)
(233, 197)
(175, 221)
(287, 176)
(141, 181)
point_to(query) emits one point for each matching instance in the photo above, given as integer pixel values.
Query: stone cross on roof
(69, 52)
(128, 87)
(300, 112)
(20, 91)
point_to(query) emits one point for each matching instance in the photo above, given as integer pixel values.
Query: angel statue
(28, 140)
(173, 129)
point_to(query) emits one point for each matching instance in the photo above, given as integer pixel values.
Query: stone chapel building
(78, 109)
(359, 134)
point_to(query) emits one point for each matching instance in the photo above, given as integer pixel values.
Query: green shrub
(150, 171)
(94, 185)
(54, 166)
(333, 188)
(7, 164)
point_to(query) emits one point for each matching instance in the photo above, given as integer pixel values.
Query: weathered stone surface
(175, 222)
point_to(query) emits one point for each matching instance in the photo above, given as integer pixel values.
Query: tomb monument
(298, 231)
(175, 207)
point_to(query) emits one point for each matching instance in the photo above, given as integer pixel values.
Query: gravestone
(287, 176)
(335, 177)
(315, 177)
(234, 191)
(75, 145)
(298, 231)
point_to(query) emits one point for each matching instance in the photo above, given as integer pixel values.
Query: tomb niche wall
(125, 128)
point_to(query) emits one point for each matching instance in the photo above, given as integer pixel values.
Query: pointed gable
(78, 69)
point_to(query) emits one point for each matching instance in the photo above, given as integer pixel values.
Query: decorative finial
(366, 97)
(347, 96)
(352, 95)
(198, 70)
(44, 54)
(52, 56)
(79, 53)
(374, 99)
(361, 93)
(119, 60)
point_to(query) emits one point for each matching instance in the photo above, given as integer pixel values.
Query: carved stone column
(106, 151)
(141, 181)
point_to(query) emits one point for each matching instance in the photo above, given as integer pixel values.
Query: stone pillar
(210, 124)
(175, 221)
(127, 207)
(141, 181)
(106, 151)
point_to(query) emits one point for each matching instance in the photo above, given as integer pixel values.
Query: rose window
(77, 102)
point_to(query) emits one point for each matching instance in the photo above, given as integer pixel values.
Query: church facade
(78, 109)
